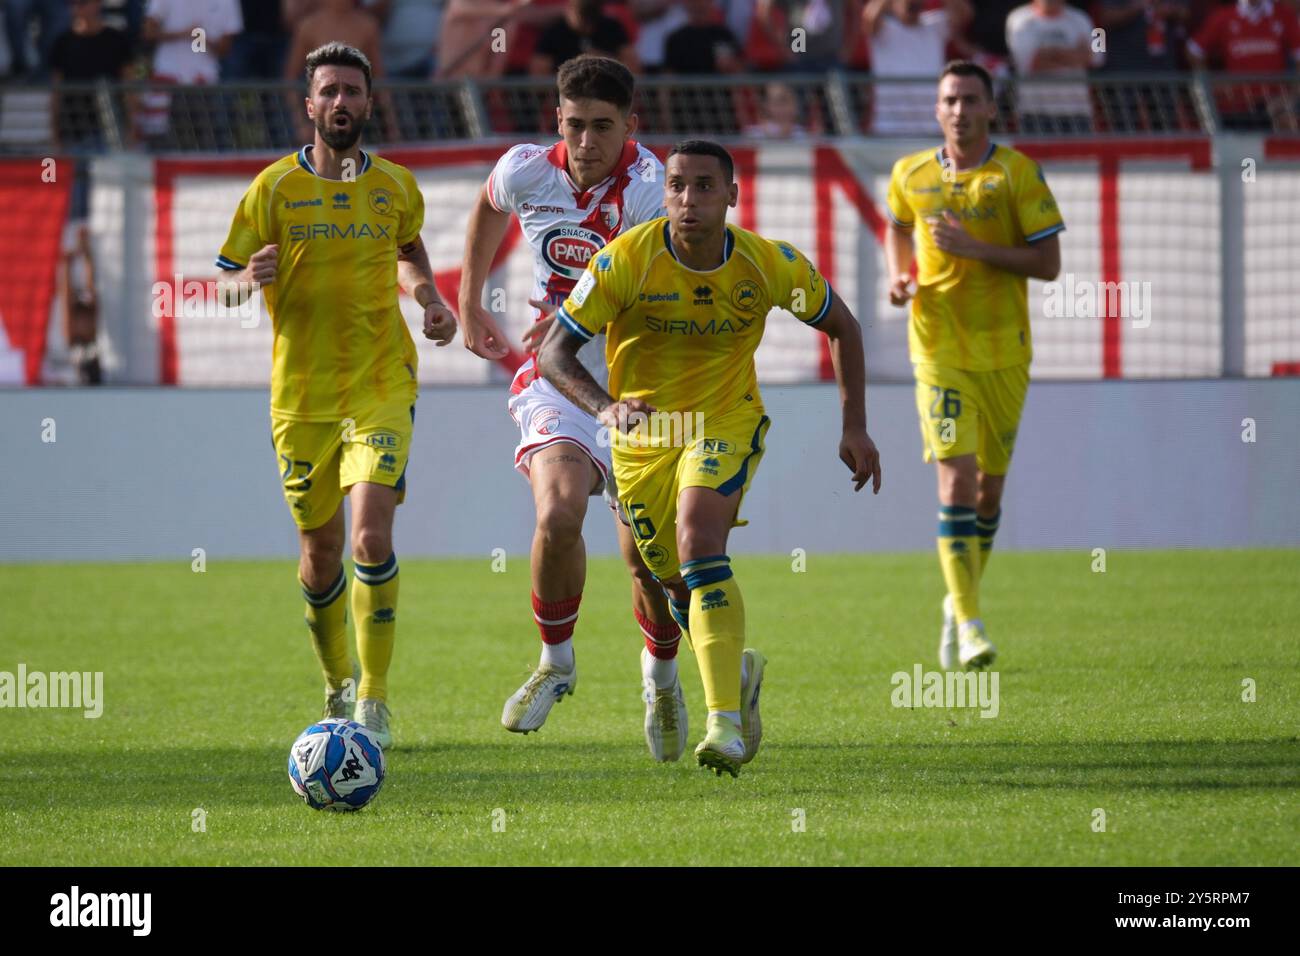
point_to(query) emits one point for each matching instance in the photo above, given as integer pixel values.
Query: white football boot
(340, 703)
(373, 715)
(974, 649)
(527, 708)
(665, 715)
(751, 725)
(948, 636)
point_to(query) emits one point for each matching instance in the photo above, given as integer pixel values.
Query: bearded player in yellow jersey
(979, 220)
(330, 233)
(683, 301)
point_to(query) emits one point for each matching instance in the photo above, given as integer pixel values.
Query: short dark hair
(703, 147)
(337, 54)
(590, 77)
(967, 68)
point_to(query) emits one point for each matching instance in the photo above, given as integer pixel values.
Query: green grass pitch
(1119, 690)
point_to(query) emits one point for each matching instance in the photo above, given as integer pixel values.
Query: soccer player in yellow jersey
(683, 301)
(979, 220)
(329, 234)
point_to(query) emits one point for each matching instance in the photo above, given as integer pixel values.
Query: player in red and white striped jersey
(571, 199)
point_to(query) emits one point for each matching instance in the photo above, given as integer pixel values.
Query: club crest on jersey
(381, 202)
(609, 212)
(546, 422)
(568, 249)
(744, 294)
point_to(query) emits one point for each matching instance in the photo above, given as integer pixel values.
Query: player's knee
(320, 565)
(695, 543)
(319, 549)
(958, 488)
(371, 546)
(559, 524)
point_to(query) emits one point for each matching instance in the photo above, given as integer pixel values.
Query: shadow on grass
(472, 772)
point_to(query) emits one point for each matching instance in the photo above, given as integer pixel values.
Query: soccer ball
(336, 764)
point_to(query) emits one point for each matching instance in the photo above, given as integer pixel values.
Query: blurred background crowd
(419, 39)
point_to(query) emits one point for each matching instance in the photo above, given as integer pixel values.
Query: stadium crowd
(417, 39)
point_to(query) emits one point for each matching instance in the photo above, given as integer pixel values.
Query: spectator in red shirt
(1252, 36)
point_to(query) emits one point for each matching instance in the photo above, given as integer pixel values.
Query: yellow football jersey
(684, 340)
(341, 346)
(967, 314)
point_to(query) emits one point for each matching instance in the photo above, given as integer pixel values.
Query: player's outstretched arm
(483, 234)
(857, 450)
(415, 277)
(557, 362)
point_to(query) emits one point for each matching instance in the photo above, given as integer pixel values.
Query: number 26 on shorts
(949, 398)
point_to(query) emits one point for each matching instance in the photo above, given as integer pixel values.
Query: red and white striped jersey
(565, 225)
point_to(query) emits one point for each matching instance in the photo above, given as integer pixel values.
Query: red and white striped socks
(556, 620)
(661, 641)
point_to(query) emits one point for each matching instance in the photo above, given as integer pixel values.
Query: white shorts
(545, 417)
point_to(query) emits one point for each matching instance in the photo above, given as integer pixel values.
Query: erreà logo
(103, 909)
(714, 599)
(568, 249)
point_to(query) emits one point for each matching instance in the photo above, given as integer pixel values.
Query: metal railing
(244, 117)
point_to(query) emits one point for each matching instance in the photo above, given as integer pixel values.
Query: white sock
(744, 671)
(663, 673)
(731, 715)
(559, 656)
(975, 622)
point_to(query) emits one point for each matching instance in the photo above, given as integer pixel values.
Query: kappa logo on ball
(568, 249)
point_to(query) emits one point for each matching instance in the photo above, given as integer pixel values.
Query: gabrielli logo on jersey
(568, 249)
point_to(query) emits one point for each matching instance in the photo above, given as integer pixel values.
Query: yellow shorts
(965, 413)
(723, 457)
(321, 461)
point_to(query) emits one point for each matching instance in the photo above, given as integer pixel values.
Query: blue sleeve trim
(898, 222)
(224, 263)
(1050, 231)
(568, 322)
(826, 306)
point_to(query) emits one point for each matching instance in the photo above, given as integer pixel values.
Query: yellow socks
(374, 609)
(327, 619)
(959, 557)
(987, 528)
(717, 629)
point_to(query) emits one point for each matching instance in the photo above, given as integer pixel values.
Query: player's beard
(339, 139)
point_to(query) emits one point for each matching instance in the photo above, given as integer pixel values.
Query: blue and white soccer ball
(336, 764)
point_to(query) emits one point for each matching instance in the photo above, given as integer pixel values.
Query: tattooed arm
(557, 362)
